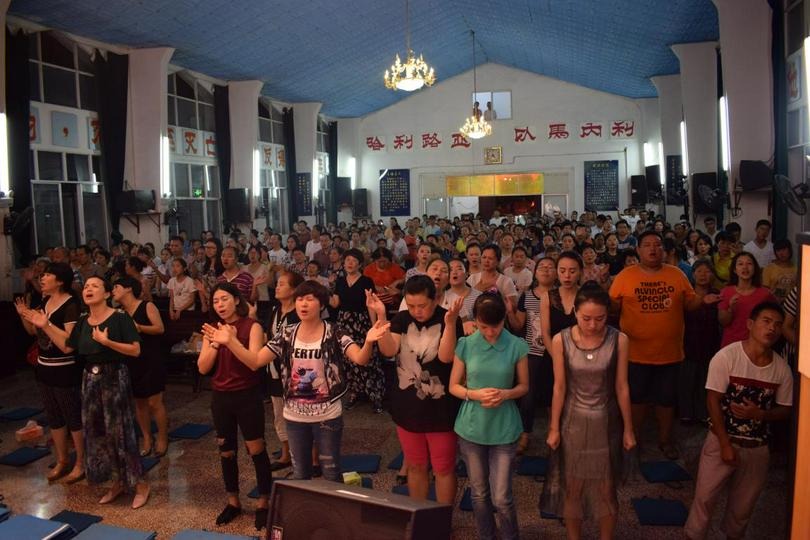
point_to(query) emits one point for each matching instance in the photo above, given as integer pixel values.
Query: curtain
(222, 118)
(292, 173)
(112, 76)
(331, 181)
(780, 158)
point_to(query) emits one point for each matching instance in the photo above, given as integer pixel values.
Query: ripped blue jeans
(326, 435)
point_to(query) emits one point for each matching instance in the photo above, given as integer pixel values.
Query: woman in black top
(58, 374)
(148, 372)
(355, 320)
(281, 314)
(107, 339)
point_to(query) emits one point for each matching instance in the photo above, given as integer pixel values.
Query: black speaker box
(360, 202)
(136, 201)
(638, 190)
(343, 191)
(755, 175)
(318, 509)
(238, 205)
(702, 179)
(655, 191)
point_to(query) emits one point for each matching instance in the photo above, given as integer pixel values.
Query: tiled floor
(187, 489)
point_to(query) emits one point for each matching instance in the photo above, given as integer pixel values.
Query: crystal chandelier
(414, 73)
(475, 127)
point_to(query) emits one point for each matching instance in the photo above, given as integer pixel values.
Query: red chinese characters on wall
(622, 129)
(374, 143)
(590, 130)
(403, 142)
(558, 132)
(523, 134)
(431, 140)
(460, 141)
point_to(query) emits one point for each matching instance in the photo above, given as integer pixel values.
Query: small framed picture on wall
(493, 155)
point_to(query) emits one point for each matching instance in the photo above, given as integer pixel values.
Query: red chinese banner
(375, 144)
(558, 132)
(459, 141)
(590, 130)
(403, 142)
(431, 140)
(524, 134)
(622, 129)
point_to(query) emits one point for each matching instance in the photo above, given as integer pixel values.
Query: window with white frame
(65, 146)
(496, 105)
(195, 182)
(273, 170)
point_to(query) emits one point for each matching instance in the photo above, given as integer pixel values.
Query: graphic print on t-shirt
(419, 347)
(760, 393)
(654, 296)
(307, 374)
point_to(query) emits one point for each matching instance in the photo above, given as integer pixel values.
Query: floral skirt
(108, 421)
(368, 379)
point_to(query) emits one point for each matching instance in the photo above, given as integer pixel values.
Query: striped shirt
(529, 304)
(243, 281)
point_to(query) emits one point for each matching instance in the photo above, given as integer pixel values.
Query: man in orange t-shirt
(652, 297)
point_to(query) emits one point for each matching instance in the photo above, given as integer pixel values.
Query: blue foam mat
(466, 501)
(24, 456)
(360, 463)
(663, 471)
(190, 431)
(532, 466)
(189, 534)
(396, 463)
(660, 512)
(3, 514)
(77, 520)
(149, 463)
(26, 527)
(20, 413)
(100, 531)
(403, 490)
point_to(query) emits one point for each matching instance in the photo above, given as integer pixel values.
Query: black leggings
(240, 410)
(63, 406)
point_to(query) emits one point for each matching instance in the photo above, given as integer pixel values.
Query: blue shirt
(490, 366)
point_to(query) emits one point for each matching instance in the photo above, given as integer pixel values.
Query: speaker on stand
(638, 190)
(360, 203)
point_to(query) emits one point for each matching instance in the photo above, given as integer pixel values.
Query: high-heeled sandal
(140, 499)
(59, 470)
(70, 479)
(111, 495)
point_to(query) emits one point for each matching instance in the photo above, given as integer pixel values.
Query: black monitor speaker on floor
(239, 205)
(343, 191)
(755, 175)
(318, 509)
(137, 201)
(638, 190)
(360, 202)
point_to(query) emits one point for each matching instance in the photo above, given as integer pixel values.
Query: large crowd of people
(462, 329)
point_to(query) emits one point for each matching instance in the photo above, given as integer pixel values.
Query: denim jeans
(327, 435)
(489, 468)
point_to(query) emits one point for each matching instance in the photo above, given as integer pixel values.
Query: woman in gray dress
(590, 417)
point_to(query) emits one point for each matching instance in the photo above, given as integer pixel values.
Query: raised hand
(374, 303)
(376, 332)
(252, 310)
(101, 336)
(36, 317)
(261, 280)
(469, 328)
(20, 306)
(452, 314)
(221, 333)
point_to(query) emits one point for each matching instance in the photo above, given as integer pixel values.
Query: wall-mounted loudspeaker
(238, 205)
(755, 175)
(360, 202)
(638, 190)
(343, 191)
(655, 191)
(136, 201)
(320, 509)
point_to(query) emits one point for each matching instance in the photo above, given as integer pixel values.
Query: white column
(243, 99)
(745, 46)
(670, 109)
(146, 163)
(6, 248)
(305, 118)
(699, 95)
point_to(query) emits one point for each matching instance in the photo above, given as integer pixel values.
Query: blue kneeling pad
(403, 490)
(663, 471)
(100, 531)
(20, 413)
(660, 512)
(34, 528)
(190, 431)
(189, 534)
(360, 463)
(77, 520)
(24, 456)
(532, 466)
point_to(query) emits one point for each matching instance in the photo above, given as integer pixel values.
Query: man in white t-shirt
(761, 247)
(749, 385)
(314, 245)
(397, 245)
(517, 270)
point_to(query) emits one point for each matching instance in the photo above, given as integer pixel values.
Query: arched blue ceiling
(335, 51)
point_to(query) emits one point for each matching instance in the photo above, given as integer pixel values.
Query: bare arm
(38, 319)
(128, 349)
(789, 328)
(155, 328)
(545, 318)
(248, 355)
(622, 387)
(447, 343)
(208, 355)
(522, 386)
(718, 418)
(558, 397)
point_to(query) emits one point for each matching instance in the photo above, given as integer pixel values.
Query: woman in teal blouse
(485, 368)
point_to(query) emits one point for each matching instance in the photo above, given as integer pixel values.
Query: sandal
(59, 470)
(73, 478)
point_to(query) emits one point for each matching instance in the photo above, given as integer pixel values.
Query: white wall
(536, 102)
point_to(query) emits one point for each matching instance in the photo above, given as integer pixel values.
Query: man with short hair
(761, 247)
(749, 385)
(651, 297)
(397, 245)
(626, 240)
(710, 226)
(314, 243)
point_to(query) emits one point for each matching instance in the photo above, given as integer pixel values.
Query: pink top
(738, 329)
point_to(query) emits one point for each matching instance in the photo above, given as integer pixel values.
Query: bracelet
(466, 394)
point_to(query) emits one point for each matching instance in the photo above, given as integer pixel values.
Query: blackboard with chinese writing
(602, 185)
(675, 191)
(303, 194)
(395, 192)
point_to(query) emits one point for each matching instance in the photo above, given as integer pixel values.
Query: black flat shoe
(229, 514)
(261, 518)
(279, 465)
(316, 471)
